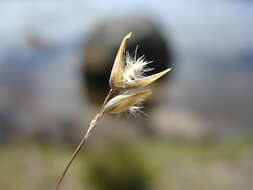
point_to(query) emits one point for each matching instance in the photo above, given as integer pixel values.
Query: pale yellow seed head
(125, 101)
(145, 81)
(117, 69)
(128, 73)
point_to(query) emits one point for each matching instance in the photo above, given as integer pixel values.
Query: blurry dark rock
(102, 44)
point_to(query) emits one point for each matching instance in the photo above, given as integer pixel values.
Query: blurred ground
(172, 165)
(211, 83)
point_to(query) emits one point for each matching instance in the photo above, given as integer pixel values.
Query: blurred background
(55, 61)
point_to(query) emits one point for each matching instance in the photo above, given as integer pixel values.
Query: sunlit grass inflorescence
(127, 74)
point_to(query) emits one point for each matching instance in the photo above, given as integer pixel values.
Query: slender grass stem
(84, 139)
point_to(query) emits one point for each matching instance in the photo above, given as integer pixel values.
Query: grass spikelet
(127, 74)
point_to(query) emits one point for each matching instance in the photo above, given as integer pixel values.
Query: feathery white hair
(135, 68)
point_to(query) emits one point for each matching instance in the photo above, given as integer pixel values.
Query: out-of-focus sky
(212, 41)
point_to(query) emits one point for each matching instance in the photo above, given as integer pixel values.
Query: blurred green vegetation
(137, 165)
(117, 165)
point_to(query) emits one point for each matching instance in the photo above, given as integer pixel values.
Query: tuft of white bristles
(136, 110)
(135, 68)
